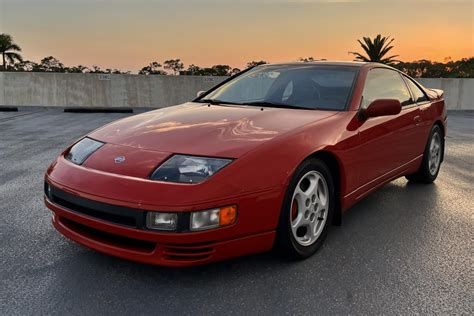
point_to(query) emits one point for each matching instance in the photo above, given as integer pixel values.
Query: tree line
(374, 50)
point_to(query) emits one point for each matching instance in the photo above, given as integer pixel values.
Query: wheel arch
(335, 166)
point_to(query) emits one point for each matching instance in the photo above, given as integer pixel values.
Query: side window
(418, 94)
(385, 84)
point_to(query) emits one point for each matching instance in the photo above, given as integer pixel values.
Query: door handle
(417, 119)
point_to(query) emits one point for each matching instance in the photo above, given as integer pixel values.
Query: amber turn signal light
(228, 215)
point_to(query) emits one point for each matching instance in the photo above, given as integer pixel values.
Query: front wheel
(307, 210)
(432, 158)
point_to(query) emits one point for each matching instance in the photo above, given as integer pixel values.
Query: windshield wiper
(256, 103)
(216, 101)
(276, 105)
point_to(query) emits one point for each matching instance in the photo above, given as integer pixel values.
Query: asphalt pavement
(404, 249)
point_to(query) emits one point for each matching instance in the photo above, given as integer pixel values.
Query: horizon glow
(128, 35)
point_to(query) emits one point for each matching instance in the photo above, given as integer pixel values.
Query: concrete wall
(458, 93)
(95, 90)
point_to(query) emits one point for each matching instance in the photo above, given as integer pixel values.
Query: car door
(425, 123)
(387, 142)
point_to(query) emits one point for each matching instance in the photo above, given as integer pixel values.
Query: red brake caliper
(294, 210)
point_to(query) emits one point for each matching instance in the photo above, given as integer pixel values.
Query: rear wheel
(432, 158)
(307, 210)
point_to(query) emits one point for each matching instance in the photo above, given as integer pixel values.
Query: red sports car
(267, 159)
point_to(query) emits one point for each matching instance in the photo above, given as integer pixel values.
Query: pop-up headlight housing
(189, 169)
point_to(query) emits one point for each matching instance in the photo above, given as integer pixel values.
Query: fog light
(205, 219)
(213, 218)
(161, 221)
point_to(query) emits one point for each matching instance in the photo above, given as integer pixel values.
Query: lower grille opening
(108, 238)
(187, 253)
(118, 219)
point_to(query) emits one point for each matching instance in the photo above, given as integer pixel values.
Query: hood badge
(119, 159)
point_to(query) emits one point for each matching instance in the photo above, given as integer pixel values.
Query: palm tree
(9, 49)
(376, 50)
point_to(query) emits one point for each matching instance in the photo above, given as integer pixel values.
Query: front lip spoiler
(160, 248)
(172, 254)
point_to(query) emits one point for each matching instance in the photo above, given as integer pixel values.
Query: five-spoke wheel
(307, 210)
(435, 153)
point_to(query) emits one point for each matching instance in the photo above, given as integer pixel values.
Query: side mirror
(200, 93)
(382, 107)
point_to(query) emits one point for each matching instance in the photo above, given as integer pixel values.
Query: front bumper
(130, 241)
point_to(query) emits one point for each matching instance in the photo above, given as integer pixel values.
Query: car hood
(200, 129)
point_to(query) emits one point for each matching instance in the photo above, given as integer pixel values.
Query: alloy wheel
(434, 154)
(309, 208)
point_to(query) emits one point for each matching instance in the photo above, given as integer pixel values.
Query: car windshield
(293, 86)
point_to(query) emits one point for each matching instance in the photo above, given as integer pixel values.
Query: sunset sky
(129, 34)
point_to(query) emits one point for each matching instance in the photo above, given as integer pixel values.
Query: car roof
(327, 63)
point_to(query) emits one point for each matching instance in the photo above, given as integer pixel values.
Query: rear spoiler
(434, 94)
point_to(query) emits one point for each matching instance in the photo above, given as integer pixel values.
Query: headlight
(189, 169)
(82, 150)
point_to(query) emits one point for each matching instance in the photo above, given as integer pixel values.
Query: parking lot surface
(404, 249)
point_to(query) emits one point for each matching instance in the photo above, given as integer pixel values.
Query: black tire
(424, 175)
(286, 242)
